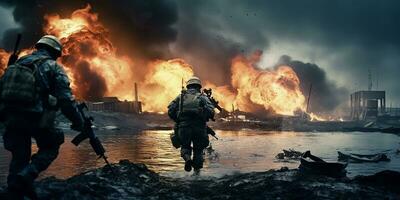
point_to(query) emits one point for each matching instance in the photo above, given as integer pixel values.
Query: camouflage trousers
(17, 139)
(199, 137)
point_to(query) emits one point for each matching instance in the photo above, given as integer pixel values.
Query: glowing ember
(315, 117)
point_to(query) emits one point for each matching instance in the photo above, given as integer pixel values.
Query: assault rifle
(208, 93)
(211, 132)
(88, 133)
(181, 101)
(14, 55)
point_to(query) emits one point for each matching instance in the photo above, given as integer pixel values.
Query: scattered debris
(387, 179)
(315, 165)
(289, 154)
(135, 181)
(351, 157)
(255, 155)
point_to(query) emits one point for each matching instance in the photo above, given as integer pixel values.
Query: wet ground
(127, 180)
(237, 151)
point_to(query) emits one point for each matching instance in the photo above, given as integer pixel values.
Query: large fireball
(96, 69)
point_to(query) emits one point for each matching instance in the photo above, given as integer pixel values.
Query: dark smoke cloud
(344, 37)
(325, 94)
(92, 89)
(140, 28)
(204, 43)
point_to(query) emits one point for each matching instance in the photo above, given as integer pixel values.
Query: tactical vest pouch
(191, 106)
(49, 115)
(176, 142)
(19, 85)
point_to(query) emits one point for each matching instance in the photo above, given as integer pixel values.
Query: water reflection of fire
(96, 69)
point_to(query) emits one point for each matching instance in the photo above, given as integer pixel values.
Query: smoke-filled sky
(331, 44)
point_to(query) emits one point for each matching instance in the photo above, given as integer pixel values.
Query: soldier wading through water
(191, 110)
(31, 90)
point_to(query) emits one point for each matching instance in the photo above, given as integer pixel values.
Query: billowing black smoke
(145, 29)
(205, 46)
(139, 27)
(325, 95)
(91, 89)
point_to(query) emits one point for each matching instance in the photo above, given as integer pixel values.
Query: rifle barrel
(17, 43)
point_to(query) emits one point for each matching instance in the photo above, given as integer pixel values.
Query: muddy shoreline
(135, 181)
(108, 121)
(152, 121)
(127, 180)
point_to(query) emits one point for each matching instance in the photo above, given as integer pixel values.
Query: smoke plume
(138, 28)
(325, 95)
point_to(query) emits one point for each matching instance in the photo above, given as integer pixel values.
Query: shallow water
(236, 151)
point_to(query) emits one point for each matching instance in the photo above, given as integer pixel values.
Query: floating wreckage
(358, 158)
(289, 154)
(311, 164)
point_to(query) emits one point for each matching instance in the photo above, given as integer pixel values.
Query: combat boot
(196, 172)
(25, 180)
(188, 163)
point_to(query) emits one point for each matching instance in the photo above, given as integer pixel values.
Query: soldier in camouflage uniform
(25, 121)
(191, 118)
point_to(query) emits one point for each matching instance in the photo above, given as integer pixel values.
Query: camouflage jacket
(208, 109)
(51, 79)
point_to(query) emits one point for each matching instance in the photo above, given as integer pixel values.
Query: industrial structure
(113, 104)
(367, 104)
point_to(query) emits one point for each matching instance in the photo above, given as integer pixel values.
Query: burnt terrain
(127, 180)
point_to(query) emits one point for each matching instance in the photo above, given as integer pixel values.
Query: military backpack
(19, 84)
(192, 105)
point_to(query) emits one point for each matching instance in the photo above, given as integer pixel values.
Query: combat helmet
(51, 41)
(193, 81)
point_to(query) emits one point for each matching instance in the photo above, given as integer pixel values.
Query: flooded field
(236, 151)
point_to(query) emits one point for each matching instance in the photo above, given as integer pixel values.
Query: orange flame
(162, 83)
(274, 90)
(3, 60)
(86, 43)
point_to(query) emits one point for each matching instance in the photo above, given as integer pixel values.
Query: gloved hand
(69, 109)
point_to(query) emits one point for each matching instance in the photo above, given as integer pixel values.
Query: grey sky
(343, 37)
(6, 20)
